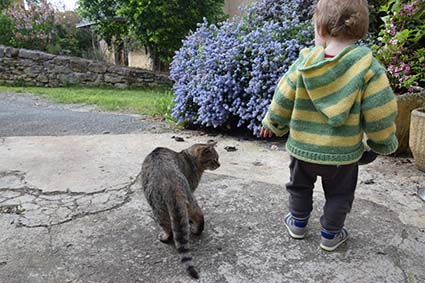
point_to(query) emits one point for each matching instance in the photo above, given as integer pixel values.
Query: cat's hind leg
(196, 218)
(166, 235)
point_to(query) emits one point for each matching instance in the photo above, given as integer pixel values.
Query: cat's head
(206, 155)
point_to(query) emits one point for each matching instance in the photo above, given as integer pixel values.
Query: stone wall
(35, 68)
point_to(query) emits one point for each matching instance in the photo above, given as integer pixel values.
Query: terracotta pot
(406, 104)
(417, 137)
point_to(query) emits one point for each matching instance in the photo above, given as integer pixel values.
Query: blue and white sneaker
(330, 241)
(296, 227)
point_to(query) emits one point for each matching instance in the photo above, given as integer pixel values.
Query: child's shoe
(330, 241)
(296, 226)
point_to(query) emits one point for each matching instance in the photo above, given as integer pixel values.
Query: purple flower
(393, 42)
(225, 75)
(407, 9)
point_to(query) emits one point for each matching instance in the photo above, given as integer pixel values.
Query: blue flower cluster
(225, 75)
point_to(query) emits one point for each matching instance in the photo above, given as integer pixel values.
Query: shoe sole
(294, 236)
(331, 249)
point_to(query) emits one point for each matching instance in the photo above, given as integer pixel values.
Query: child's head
(342, 19)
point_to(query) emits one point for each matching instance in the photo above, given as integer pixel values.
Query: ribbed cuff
(275, 130)
(387, 147)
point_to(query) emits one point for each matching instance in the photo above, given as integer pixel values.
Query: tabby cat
(169, 179)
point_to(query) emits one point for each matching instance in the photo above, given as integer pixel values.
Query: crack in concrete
(394, 253)
(15, 173)
(46, 209)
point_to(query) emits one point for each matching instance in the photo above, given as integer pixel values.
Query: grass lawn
(152, 101)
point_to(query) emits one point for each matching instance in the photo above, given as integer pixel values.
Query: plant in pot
(401, 50)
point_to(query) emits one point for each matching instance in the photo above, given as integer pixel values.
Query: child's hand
(264, 133)
(367, 157)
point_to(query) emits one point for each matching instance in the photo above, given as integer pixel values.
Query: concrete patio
(70, 212)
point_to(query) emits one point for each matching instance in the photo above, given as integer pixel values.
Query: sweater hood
(333, 84)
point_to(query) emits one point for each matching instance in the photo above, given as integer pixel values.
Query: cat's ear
(212, 143)
(210, 147)
(207, 148)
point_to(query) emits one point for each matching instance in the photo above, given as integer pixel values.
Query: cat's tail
(181, 233)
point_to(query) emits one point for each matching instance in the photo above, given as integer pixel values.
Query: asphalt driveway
(24, 114)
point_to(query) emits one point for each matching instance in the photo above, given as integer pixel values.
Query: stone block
(61, 60)
(113, 79)
(100, 79)
(26, 62)
(61, 70)
(45, 56)
(121, 85)
(138, 73)
(78, 65)
(28, 54)
(161, 78)
(42, 78)
(86, 77)
(11, 52)
(98, 68)
(119, 70)
(54, 83)
(68, 79)
(28, 72)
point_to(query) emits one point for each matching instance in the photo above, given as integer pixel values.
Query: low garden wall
(35, 68)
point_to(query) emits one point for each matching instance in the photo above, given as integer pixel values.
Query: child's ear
(319, 30)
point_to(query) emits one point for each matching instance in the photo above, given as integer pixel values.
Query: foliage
(39, 26)
(157, 25)
(402, 44)
(34, 25)
(375, 21)
(161, 25)
(6, 30)
(68, 40)
(109, 25)
(6, 24)
(4, 4)
(225, 75)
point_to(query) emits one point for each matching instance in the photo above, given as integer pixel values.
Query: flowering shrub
(402, 42)
(39, 26)
(34, 25)
(225, 75)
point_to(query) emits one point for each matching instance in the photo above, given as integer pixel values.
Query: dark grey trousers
(339, 184)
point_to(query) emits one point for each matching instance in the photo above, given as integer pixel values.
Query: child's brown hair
(343, 19)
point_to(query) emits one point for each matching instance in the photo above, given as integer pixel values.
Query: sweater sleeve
(280, 110)
(379, 109)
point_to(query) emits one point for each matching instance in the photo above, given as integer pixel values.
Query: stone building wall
(35, 68)
(232, 7)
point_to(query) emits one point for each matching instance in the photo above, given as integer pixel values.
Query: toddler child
(330, 96)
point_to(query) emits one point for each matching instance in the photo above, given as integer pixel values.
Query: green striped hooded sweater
(327, 104)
